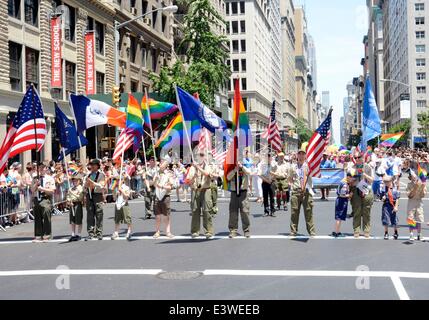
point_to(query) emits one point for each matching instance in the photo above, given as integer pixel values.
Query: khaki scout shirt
(282, 170)
(164, 179)
(75, 194)
(200, 181)
(150, 174)
(232, 179)
(296, 177)
(100, 179)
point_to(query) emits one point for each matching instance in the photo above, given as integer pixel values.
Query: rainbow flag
(389, 140)
(157, 109)
(73, 170)
(135, 121)
(423, 175)
(113, 184)
(412, 223)
(173, 134)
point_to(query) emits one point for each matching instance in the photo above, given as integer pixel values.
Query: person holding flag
(416, 191)
(75, 203)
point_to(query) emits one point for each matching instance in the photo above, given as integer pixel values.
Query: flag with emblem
(28, 129)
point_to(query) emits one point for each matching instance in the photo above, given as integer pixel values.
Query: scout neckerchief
(390, 195)
(95, 180)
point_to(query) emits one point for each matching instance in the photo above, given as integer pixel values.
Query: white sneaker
(412, 237)
(115, 236)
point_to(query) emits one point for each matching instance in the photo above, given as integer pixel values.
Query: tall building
(352, 107)
(25, 56)
(287, 11)
(406, 35)
(304, 65)
(255, 57)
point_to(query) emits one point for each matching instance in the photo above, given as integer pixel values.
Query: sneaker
(386, 236)
(356, 235)
(312, 235)
(334, 235)
(129, 236)
(247, 234)
(286, 208)
(266, 214)
(367, 236)
(419, 237)
(37, 239)
(232, 235)
(195, 235)
(273, 215)
(209, 236)
(46, 238)
(157, 235)
(396, 236)
(100, 238)
(170, 235)
(412, 237)
(147, 216)
(114, 236)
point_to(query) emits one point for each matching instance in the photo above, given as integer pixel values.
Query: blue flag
(371, 126)
(66, 131)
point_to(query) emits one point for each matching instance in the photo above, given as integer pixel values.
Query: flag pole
(144, 154)
(35, 131)
(184, 123)
(237, 130)
(67, 174)
(150, 123)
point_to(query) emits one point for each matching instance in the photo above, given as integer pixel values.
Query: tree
(423, 119)
(304, 133)
(402, 127)
(206, 71)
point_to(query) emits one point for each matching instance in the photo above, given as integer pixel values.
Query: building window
(154, 60)
(144, 56)
(234, 27)
(227, 8)
(154, 17)
(235, 46)
(245, 103)
(70, 78)
(421, 103)
(243, 65)
(134, 86)
(228, 63)
(242, 7)
(420, 21)
(234, 8)
(133, 49)
(421, 62)
(243, 45)
(98, 28)
(69, 30)
(235, 66)
(13, 7)
(164, 22)
(420, 34)
(243, 84)
(15, 73)
(421, 76)
(31, 10)
(421, 90)
(243, 26)
(32, 67)
(100, 83)
(420, 6)
(228, 31)
(144, 6)
(420, 48)
(229, 89)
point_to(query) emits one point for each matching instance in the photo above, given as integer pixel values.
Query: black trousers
(268, 193)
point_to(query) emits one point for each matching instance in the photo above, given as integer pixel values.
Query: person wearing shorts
(75, 204)
(122, 211)
(389, 211)
(416, 190)
(341, 204)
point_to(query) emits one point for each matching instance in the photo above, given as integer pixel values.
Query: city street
(268, 266)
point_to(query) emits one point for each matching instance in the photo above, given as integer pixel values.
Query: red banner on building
(56, 53)
(90, 62)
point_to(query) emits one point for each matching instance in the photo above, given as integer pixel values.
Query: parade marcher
(239, 200)
(214, 187)
(363, 197)
(94, 187)
(265, 173)
(122, 208)
(302, 195)
(416, 190)
(390, 197)
(341, 204)
(325, 164)
(43, 189)
(149, 198)
(164, 183)
(282, 169)
(256, 180)
(75, 204)
(200, 176)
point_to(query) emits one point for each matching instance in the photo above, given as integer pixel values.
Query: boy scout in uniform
(75, 203)
(94, 187)
(239, 201)
(123, 214)
(281, 180)
(43, 190)
(302, 195)
(200, 176)
(149, 197)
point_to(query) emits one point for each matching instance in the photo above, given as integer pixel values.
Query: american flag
(219, 157)
(125, 141)
(28, 125)
(205, 140)
(273, 133)
(317, 146)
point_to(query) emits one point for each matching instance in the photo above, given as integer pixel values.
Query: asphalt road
(270, 265)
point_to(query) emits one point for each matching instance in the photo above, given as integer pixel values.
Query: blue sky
(338, 28)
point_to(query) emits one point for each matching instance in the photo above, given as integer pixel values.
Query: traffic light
(116, 96)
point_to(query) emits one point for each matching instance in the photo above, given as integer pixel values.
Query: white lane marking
(149, 272)
(256, 237)
(400, 290)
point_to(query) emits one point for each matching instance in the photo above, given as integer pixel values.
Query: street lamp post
(411, 110)
(118, 26)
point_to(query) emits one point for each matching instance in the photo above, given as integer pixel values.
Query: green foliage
(423, 119)
(206, 70)
(304, 133)
(402, 127)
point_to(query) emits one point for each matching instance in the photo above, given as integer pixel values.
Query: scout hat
(95, 162)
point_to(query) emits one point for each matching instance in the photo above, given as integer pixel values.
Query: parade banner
(330, 178)
(90, 63)
(56, 53)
